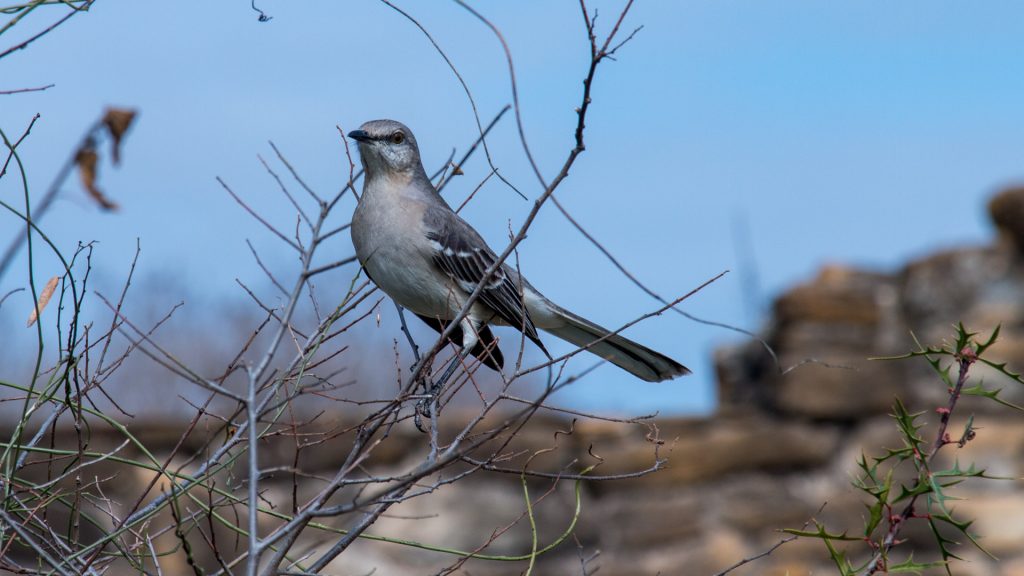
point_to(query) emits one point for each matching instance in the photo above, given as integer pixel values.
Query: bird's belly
(419, 288)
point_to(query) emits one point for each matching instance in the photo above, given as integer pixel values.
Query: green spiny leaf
(921, 351)
(963, 337)
(838, 557)
(991, 340)
(937, 495)
(917, 489)
(979, 390)
(968, 434)
(869, 470)
(907, 425)
(943, 543)
(962, 526)
(875, 514)
(1002, 369)
(943, 372)
(971, 472)
(908, 566)
(900, 454)
(822, 534)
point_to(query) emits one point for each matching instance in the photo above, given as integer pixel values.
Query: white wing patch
(467, 264)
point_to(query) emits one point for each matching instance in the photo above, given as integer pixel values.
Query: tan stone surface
(783, 444)
(840, 387)
(1006, 209)
(717, 447)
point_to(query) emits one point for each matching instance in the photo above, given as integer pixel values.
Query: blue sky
(863, 133)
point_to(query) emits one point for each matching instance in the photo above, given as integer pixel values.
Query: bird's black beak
(359, 136)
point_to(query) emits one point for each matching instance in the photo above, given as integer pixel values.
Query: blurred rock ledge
(781, 446)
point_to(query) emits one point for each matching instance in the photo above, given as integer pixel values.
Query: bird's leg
(408, 335)
(428, 404)
(469, 341)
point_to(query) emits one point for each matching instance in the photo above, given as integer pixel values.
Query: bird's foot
(427, 406)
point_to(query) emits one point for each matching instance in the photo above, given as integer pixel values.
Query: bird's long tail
(634, 358)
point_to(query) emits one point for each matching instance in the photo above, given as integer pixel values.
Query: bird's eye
(397, 138)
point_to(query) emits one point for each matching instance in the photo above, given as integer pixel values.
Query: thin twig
(21, 90)
(24, 43)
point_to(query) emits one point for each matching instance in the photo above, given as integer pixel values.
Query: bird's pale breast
(391, 255)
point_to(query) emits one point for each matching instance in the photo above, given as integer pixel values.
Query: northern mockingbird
(429, 260)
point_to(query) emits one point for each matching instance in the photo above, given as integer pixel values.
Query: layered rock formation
(780, 450)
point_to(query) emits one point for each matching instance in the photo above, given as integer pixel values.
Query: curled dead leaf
(87, 159)
(44, 299)
(456, 170)
(117, 121)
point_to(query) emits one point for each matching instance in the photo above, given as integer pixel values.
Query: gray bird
(429, 260)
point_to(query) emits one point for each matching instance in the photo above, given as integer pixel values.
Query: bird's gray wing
(462, 254)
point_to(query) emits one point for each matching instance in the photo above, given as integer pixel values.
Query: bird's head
(387, 148)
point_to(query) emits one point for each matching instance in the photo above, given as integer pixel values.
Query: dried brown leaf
(87, 159)
(117, 121)
(44, 299)
(456, 169)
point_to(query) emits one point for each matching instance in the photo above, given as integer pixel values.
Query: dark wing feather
(462, 254)
(486, 349)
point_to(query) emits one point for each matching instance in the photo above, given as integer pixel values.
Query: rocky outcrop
(796, 412)
(825, 334)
